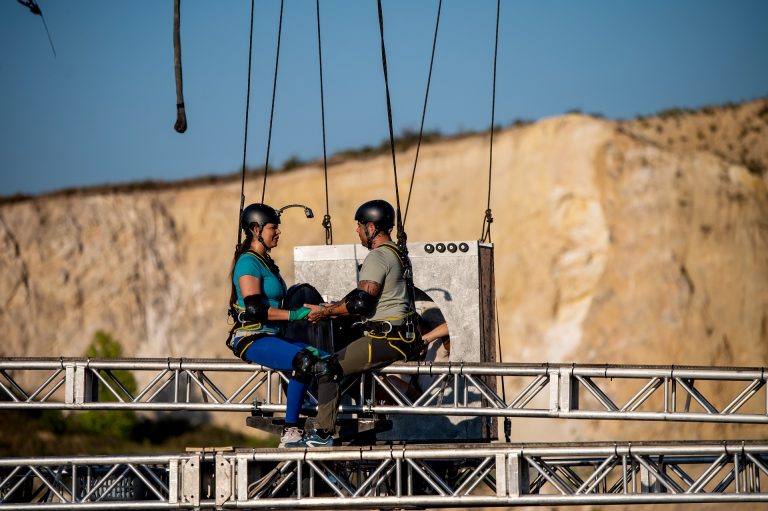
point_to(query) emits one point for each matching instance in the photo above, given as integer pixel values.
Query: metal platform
(412, 476)
(569, 391)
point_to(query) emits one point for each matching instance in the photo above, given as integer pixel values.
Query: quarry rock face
(610, 247)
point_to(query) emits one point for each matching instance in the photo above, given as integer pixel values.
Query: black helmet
(258, 214)
(379, 212)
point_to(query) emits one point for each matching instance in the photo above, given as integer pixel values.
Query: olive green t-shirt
(382, 265)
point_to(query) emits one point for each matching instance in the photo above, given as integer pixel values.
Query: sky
(102, 109)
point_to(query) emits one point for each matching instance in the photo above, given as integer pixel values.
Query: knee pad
(304, 363)
(328, 370)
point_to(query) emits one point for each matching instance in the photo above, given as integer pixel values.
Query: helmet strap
(261, 240)
(370, 238)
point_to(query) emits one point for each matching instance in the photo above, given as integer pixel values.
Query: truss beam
(101, 482)
(434, 476)
(688, 394)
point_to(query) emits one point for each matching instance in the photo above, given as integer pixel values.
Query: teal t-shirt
(273, 287)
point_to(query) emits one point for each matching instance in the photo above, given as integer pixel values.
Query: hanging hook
(487, 221)
(328, 230)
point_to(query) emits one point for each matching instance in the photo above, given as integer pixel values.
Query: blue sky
(103, 110)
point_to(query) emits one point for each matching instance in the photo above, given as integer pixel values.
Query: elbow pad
(255, 310)
(361, 303)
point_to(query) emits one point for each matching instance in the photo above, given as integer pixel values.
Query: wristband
(297, 314)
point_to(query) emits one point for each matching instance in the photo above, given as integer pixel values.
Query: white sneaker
(315, 440)
(291, 435)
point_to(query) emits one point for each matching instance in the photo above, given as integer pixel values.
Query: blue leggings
(278, 353)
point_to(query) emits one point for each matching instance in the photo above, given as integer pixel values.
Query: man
(384, 301)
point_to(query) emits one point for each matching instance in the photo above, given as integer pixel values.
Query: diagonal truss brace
(701, 394)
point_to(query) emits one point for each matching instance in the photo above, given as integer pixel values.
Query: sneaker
(316, 440)
(291, 435)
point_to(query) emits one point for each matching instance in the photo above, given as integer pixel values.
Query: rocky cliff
(616, 242)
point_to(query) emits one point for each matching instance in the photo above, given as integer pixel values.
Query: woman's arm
(250, 285)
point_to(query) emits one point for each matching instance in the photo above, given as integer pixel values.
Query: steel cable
(488, 218)
(327, 218)
(245, 136)
(274, 91)
(423, 110)
(402, 238)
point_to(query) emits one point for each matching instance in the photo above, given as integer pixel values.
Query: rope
(327, 218)
(181, 114)
(48, 32)
(423, 111)
(245, 137)
(274, 91)
(488, 219)
(402, 238)
(35, 9)
(507, 421)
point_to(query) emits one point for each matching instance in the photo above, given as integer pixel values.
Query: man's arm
(370, 287)
(340, 308)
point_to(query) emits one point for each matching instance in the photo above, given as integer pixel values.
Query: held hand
(315, 312)
(296, 315)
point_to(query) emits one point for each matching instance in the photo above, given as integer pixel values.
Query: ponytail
(240, 249)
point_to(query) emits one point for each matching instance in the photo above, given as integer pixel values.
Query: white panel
(451, 279)
(455, 275)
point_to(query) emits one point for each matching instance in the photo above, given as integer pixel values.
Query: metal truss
(497, 475)
(101, 482)
(430, 476)
(492, 390)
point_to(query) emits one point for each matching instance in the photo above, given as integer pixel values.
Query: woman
(257, 294)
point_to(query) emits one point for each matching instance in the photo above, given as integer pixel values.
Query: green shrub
(293, 162)
(673, 112)
(115, 423)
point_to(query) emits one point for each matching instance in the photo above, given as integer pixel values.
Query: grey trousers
(361, 355)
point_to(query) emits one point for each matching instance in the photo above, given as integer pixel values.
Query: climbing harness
(235, 310)
(401, 328)
(241, 328)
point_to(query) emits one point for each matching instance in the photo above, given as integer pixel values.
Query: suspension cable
(34, 8)
(423, 111)
(274, 91)
(488, 219)
(181, 114)
(327, 218)
(245, 137)
(507, 422)
(402, 238)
